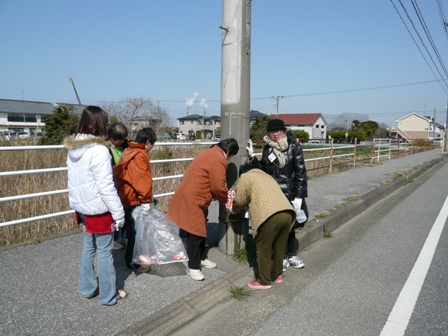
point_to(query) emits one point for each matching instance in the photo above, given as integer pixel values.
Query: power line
(442, 17)
(406, 26)
(428, 35)
(353, 90)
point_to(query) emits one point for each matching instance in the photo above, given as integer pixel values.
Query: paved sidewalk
(38, 282)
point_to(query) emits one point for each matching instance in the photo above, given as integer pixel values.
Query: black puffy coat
(292, 177)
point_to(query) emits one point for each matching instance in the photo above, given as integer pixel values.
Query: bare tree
(137, 113)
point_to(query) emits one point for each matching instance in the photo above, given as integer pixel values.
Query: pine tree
(59, 125)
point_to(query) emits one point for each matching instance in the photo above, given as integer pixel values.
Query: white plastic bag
(155, 240)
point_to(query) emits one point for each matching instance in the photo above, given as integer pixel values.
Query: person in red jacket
(134, 186)
(204, 179)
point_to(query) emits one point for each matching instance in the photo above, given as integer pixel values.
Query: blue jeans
(88, 281)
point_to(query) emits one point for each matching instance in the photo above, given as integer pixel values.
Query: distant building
(140, 122)
(208, 126)
(312, 123)
(414, 126)
(193, 123)
(27, 116)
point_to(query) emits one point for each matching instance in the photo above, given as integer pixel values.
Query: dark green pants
(271, 240)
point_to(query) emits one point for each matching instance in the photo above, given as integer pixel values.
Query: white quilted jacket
(91, 189)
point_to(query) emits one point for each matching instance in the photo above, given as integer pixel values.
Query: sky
(321, 56)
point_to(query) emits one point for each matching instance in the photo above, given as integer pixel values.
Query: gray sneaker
(285, 264)
(295, 262)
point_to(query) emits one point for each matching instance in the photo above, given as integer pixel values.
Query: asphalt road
(353, 280)
(38, 281)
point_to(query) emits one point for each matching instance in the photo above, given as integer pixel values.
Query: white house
(312, 123)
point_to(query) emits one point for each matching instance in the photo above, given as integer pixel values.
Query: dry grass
(36, 231)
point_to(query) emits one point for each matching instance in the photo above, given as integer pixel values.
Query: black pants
(291, 249)
(196, 249)
(129, 226)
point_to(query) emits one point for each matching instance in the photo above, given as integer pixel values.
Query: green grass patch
(322, 215)
(239, 293)
(327, 234)
(247, 255)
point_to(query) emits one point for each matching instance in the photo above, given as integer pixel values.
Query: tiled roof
(24, 106)
(298, 118)
(257, 114)
(198, 117)
(33, 107)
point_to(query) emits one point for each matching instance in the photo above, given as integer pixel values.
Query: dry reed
(36, 231)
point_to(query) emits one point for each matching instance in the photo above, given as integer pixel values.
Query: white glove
(297, 203)
(118, 225)
(250, 149)
(145, 208)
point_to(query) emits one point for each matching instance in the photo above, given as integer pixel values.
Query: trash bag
(155, 240)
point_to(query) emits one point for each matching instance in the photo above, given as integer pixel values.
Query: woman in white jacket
(93, 196)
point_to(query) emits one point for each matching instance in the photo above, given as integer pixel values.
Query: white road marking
(400, 315)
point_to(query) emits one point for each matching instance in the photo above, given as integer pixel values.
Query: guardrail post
(331, 155)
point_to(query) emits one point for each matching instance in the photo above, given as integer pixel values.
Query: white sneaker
(208, 264)
(296, 262)
(195, 274)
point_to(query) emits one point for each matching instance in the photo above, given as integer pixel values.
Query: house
(414, 126)
(27, 116)
(193, 123)
(140, 122)
(209, 127)
(312, 123)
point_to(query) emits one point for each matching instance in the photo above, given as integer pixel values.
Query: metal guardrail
(379, 146)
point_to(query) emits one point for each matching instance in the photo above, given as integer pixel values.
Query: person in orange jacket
(134, 186)
(204, 179)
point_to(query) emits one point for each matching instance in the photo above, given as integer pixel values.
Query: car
(180, 136)
(23, 135)
(217, 138)
(8, 135)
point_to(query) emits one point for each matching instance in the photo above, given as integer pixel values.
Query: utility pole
(74, 88)
(277, 98)
(235, 108)
(434, 125)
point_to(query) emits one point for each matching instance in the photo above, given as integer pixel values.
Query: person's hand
(145, 208)
(297, 203)
(118, 225)
(250, 149)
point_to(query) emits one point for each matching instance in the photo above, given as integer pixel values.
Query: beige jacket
(263, 195)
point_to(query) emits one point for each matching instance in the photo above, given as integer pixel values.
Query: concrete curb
(179, 313)
(183, 311)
